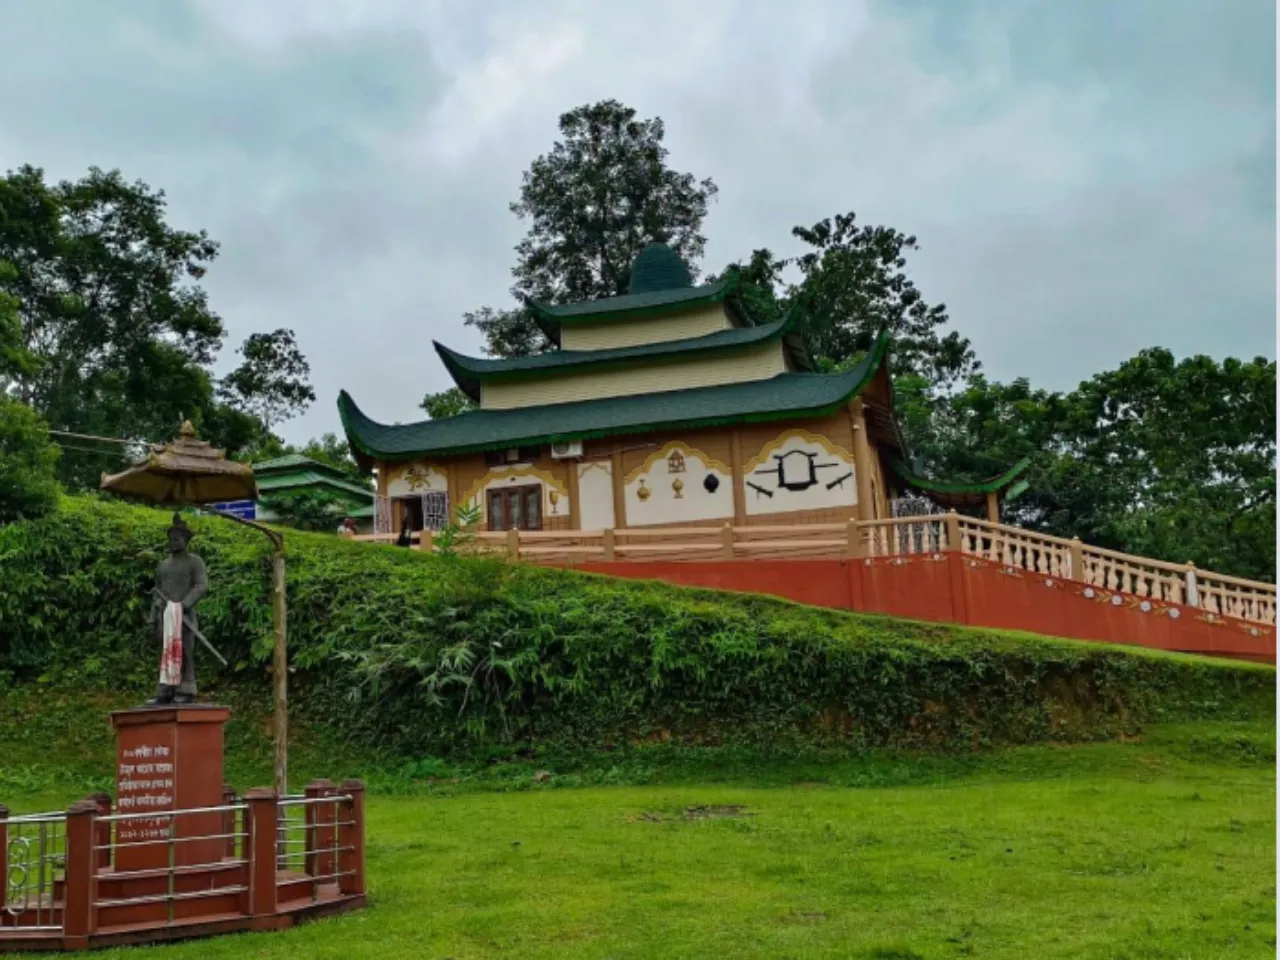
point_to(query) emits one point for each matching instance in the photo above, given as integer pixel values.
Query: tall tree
(593, 202)
(1159, 457)
(119, 333)
(271, 382)
(446, 403)
(27, 457)
(854, 285)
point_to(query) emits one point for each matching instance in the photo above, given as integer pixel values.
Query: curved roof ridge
(785, 396)
(468, 372)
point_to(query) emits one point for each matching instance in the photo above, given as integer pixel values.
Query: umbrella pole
(279, 652)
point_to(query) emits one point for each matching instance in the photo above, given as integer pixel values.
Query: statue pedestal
(168, 758)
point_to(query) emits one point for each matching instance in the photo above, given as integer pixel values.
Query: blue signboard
(244, 509)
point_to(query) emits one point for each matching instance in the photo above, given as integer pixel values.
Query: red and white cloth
(171, 650)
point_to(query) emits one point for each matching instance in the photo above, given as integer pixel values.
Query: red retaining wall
(952, 588)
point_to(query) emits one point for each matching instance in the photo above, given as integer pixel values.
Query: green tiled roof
(309, 478)
(294, 470)
(293, 461)
(469, 372)
(786, 396)
(960, 494)
(633, 304)
(658, 267)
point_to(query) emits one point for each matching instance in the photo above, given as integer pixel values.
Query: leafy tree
(28, 462)
(27, 457)
(334, 451)
(119, 333)
(271, 382)
(854, 285)
(764, 292)
(15, 359)
(593, 202)
(306, 509)
(447, 403)
(1161, 458)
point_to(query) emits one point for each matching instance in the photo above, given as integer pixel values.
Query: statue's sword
(196, 633)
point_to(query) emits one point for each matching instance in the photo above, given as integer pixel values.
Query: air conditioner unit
(569, 450)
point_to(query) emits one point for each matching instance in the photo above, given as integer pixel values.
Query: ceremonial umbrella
(188, 471)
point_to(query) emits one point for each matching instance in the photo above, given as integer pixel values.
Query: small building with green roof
(666, 405)
(296, 472)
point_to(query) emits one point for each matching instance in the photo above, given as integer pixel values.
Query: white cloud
(1076, 197)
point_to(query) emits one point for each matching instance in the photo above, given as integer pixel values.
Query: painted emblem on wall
(794, 471)
(679, 484)
(799, 471)
(417, 479)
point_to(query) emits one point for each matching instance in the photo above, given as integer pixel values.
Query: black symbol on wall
(839, 481)
(759, 489)
(796, 470)
(711, 483)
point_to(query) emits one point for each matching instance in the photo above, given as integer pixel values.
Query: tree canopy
(1160, 457)
(592, 203)
(119, 336)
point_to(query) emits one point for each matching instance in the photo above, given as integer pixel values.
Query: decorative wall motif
(555, 494)
(595, 495)
(799, 471)
(415, 479)
(678, 484)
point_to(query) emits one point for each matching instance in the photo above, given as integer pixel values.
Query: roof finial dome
(658, 267)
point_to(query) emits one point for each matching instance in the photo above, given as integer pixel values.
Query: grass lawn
(1159, 848)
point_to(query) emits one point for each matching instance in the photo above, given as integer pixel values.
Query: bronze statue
(180, 583)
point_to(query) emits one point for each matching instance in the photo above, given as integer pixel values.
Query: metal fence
(35, 860)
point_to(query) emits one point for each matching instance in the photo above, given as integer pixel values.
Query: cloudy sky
(1086, 179)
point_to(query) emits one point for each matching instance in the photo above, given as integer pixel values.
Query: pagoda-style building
(667, 405)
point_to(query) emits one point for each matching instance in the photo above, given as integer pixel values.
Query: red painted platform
(958, 588)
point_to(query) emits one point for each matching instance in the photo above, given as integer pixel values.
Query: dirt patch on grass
(715, 811)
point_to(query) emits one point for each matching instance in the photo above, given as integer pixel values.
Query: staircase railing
(1180, 583)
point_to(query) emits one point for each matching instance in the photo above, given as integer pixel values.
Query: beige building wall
(680, 325)
(758, 363)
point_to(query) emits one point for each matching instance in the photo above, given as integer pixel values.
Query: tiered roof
(786, 396)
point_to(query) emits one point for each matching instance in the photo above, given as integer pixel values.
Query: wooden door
(515, 508)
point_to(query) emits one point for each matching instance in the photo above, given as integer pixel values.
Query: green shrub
(28, 487)
(422, 653)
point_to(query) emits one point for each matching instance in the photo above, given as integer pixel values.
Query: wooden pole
(993, 507)
(862, 462)
(279, 650)
(280, 672)
(953, 532)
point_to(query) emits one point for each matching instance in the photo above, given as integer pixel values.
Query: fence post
(102, 835)
(351, 836)
(513, 543)
(607, 541)
(81, 888)
(4, 853)
(1077, 561)
(319, 817)
(229, 821)
(260, 849)
(1193, 588)
(853, 539)
(953, 532)
(425, 543)
(726, 540)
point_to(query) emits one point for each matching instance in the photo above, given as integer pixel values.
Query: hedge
(422, 653)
